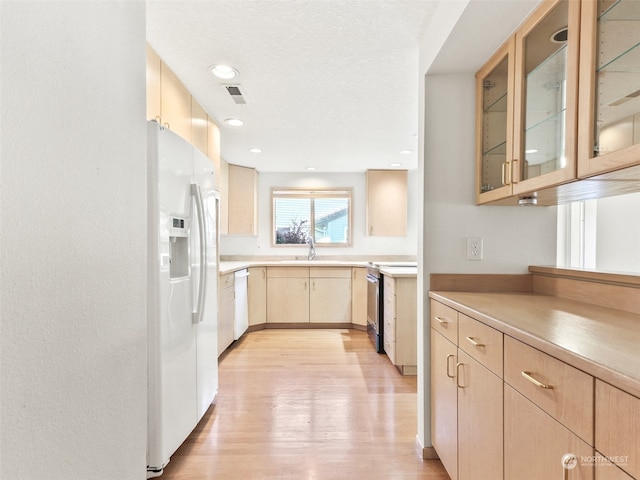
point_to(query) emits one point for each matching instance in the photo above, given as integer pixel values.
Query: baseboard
(264, 326)
(428, 453)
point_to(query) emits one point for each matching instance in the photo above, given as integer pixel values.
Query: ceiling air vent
(236, 94)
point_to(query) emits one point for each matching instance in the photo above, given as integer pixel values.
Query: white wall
(73, 241)
(618, 233)
(514, 237)
(361, 244)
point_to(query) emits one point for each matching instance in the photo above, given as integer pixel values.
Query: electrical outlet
(474, 248)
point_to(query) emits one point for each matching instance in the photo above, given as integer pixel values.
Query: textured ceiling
(331, 84)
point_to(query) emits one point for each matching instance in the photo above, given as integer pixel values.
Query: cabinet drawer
(444, 320)
(227, 280)
(481, 342)
(389, 324)
(562, 391)
(618, 427)
(329, 272)
(389, 284)
(389, 302)
(287, 272)
(390, 346)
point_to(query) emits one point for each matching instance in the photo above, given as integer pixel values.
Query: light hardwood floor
(303, 405)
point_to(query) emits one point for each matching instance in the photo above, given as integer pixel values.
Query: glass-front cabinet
(546, 97)
(494, 125)
(527, 99)
(610, 86)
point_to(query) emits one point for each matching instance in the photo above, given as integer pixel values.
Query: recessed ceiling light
(224, 71)
(406, 152)
(311, 169)
(234, 122)
(255, 150)
(395, 164)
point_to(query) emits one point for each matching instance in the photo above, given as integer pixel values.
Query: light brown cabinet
(536, 446)
(199, 127)
(444, 401)
(400, 322)
(618, 427)
(466, 395)
(288, 295)
(308, 295)
(531, 146)
(526, 130)
(609, 87)
(480, 420)
(154, 85)
(226, 310)
(359, 296)
(330, 295)
(243, 205)
(257, 292)
(213, 151)
(175, 103)
(386, 203)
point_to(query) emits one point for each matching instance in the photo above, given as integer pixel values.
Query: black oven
(375, 307)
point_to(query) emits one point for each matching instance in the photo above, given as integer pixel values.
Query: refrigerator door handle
(196, 316)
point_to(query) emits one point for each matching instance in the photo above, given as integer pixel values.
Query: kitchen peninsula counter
(602, 340)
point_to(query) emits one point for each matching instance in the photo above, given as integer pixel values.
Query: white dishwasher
(241, 316)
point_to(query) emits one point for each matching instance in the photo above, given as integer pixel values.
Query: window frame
(312, 194)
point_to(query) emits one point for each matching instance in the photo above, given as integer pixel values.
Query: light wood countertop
(601, 341)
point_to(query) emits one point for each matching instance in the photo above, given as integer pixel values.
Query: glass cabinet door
(494, 125)
(610, 86)
(546, 93)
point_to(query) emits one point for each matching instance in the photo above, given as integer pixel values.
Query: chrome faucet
(312, 248)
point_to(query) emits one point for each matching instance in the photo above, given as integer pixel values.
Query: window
(324, 215)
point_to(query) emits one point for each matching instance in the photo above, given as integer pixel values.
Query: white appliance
(182, 292)
(241, 305)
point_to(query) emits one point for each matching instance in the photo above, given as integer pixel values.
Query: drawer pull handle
(442, 321)
(474, 343)
(449, 357)
(528, 376)
(458, 365)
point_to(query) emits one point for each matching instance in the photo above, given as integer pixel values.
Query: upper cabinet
(387, 203)
(243, 205)
(546, 97)
(610, 86)
(494, 125)
(527, 99)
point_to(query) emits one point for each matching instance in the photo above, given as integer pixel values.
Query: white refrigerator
(182, 292)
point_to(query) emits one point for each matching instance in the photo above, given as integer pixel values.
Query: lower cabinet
(467, 398)
(330, 295)
(287, 294)
(400, 323)
(480, 417)
(444, 403)
(502, 409)
(308, 295)
(226, 310)
(359, 296)
(617, 430)
(537, 447)
(257, 295)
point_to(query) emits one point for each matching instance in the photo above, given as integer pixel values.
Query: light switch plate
(474, 248)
